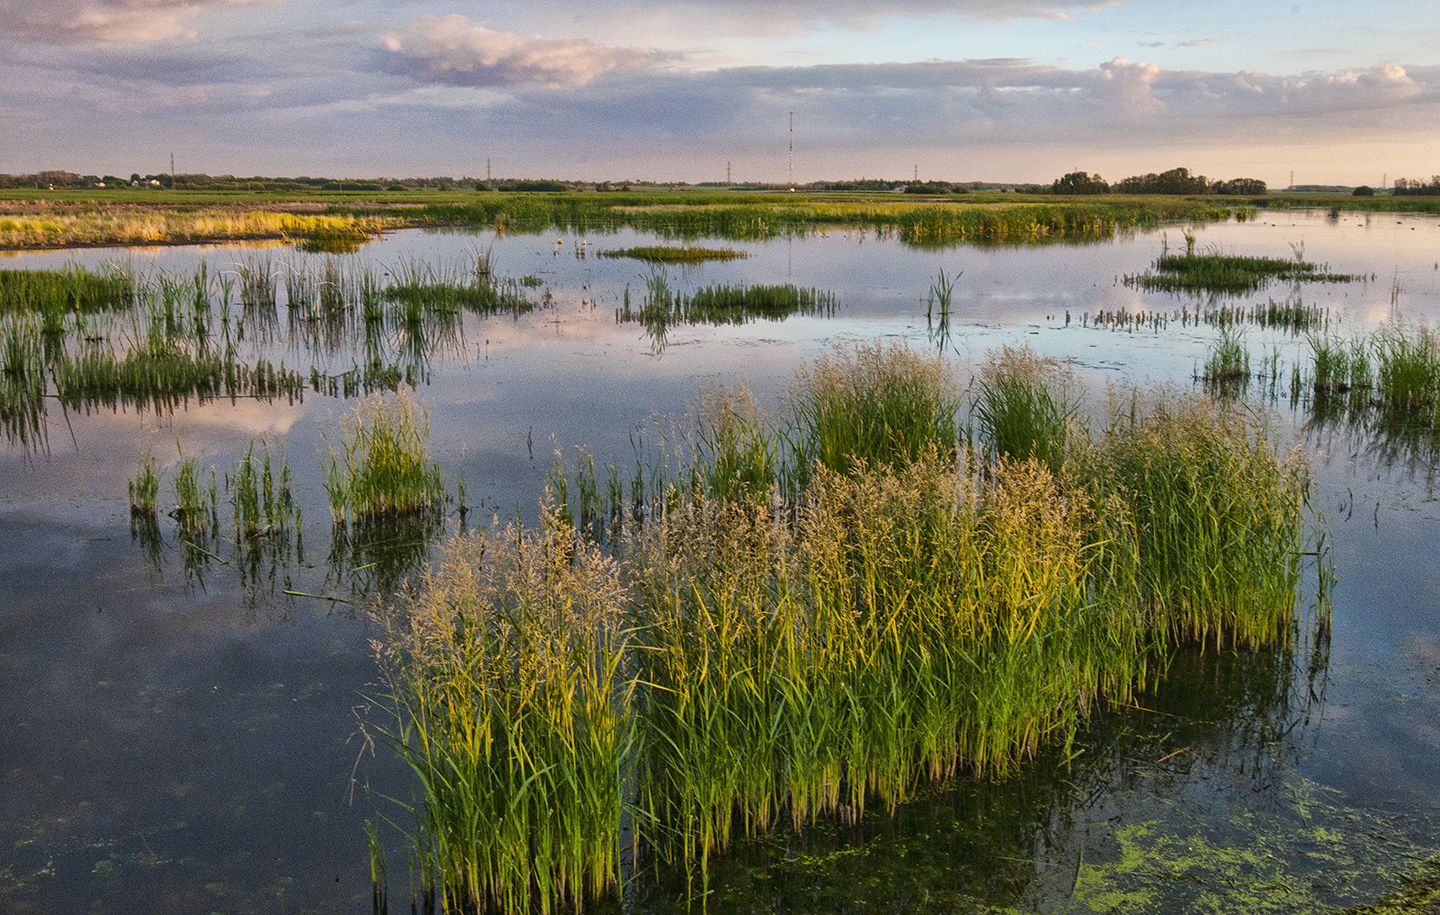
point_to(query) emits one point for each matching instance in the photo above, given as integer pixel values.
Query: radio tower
(792, 151)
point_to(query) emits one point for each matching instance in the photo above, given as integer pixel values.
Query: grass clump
(767, 644)
(510, 705)
(1226, 273)
(263, 502)
(676, 254)
(1228, 366)
(383, 466)
(876, 406)
(145, 488)
(1024, 406)
(1219, 513)
(71, 290)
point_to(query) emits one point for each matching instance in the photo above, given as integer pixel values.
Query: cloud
(1129, 87)
(104, 21)
(452, 50)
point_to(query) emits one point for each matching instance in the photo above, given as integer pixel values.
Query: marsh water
(181, 729)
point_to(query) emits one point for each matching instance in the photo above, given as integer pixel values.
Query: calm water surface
(182, 736)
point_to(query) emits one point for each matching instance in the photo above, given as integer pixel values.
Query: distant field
(117, 216)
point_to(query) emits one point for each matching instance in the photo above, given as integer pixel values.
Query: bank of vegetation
(793, 617)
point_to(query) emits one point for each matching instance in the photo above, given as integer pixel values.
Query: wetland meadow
(531, 553)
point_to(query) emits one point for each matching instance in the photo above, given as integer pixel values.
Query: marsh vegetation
(828, 609)
(997, 628)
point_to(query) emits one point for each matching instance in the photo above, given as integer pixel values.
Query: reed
(264, 504)
(675, 254)
(876, 406)
(145, 488)
(1234, 274)
(382, 466)
(1024, 406)
(1407, 371)
(1228, 366)
(760, 650)
(1220, 513)
(23, 385)
(510, 704)
(195, 505)
(73, 289)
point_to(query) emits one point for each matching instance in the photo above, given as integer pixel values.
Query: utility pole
(172, 171)
(917, 173)
(1292, 177)
(792, 150)
(727, 171)
(487, 169)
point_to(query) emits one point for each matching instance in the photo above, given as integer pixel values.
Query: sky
(1329, 91)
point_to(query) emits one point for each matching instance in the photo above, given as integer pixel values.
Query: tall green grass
(876, 406)
(382, 465)
(511, 710)
(785, 645)
(675, 254)
(1233, 274)
(1024, 406)
(73, 289)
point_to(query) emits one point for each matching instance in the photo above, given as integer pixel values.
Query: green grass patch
(382, 467)
(676, 254)
(1227, 273)
(73, 289)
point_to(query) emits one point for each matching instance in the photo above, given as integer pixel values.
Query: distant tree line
(1175, 181)
(1411, 187)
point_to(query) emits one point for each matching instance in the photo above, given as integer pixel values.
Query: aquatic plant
(509, 702)
(264, 505)
(383, 465)
(796, 649)
(1228, 366)
(145, 488)
(873, 406)
(72, 290)
(194, 505)
(1024, 406)
(673, 254)
(1235, 274)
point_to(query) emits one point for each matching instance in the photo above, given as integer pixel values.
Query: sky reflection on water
(180, 740)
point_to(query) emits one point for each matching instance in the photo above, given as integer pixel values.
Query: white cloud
(453, 50)
(104, 21)
(1129, 87)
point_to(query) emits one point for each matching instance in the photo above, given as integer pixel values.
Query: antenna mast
(792, 150)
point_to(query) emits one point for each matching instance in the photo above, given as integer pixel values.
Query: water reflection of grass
(800, 644)
(110, 338)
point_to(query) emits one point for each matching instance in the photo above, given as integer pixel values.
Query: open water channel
(180, 734)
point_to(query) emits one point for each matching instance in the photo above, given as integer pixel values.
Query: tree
(1241, 187)
(1080, 183)
(1175, 181)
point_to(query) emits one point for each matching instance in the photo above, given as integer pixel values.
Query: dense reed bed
(805, 613)
(71, 290)
(719, 305)
(1384, 387)
(110, 337)
(95, 227)
(724, 216)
